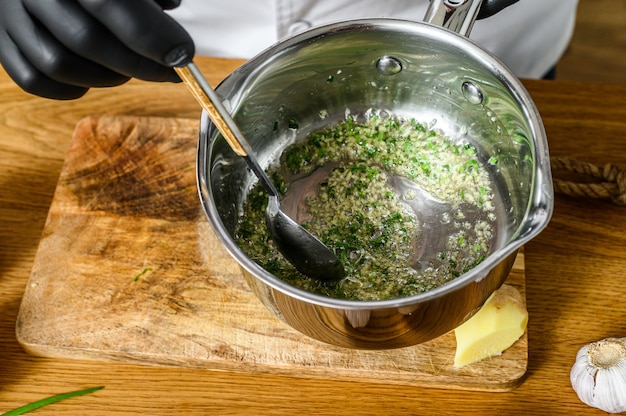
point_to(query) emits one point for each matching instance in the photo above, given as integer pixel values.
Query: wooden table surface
(575, 274)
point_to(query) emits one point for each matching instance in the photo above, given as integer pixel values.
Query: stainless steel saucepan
(410, 69)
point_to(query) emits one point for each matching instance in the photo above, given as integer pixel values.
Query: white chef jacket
(529, 37)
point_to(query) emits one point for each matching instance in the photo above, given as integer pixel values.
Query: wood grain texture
(129, 270)
(575, 273)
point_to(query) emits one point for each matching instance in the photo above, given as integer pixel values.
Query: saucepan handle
(459, 15)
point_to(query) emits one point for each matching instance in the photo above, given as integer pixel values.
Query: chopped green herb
(141, 273)
(471, 166)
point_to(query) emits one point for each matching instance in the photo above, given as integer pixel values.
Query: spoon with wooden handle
(302, 249)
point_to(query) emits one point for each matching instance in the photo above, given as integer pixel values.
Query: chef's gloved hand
(491, 7)
(61, 48)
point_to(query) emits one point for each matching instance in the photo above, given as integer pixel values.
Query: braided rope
(610, 180)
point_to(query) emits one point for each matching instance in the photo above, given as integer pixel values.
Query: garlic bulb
(599, 374)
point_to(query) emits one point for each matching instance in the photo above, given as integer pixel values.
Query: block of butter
(494, 328)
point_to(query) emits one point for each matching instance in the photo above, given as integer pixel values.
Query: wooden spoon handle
(210, 102)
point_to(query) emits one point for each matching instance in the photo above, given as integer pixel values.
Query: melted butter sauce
(405, 208)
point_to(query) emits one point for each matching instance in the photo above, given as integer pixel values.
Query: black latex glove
(491, 7)
(61, 48)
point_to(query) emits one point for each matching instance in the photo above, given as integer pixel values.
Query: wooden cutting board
(129, 270)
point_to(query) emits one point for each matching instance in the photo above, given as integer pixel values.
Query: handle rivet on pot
(388, 65)
(472, 92)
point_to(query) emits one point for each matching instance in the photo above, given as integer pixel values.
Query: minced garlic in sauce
(370, 222)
